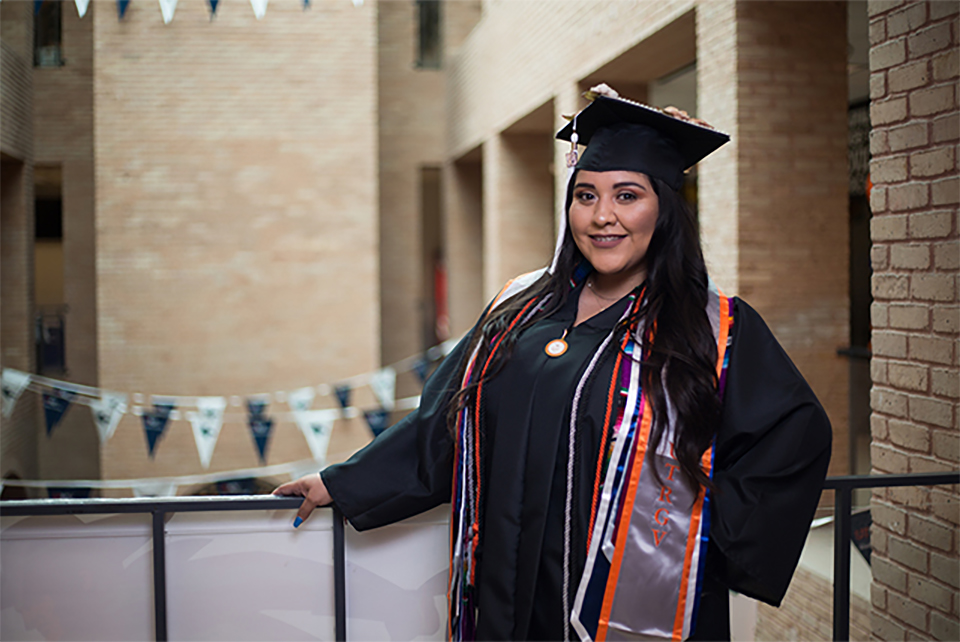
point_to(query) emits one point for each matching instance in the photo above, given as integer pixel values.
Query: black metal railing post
(339, 575)
(841, 563)
(159, 576)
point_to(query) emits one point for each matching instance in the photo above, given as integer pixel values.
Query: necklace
(600, 296)
(557, 347)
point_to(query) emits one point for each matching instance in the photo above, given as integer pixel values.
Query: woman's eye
(626, 197)
(584, 197)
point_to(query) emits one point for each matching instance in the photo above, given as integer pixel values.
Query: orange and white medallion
(557, 347)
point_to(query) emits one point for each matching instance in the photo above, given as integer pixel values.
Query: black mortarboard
(624, 135)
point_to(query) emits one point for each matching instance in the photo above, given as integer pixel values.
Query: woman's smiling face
(612, 218)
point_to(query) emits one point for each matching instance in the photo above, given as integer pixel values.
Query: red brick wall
(915, 256)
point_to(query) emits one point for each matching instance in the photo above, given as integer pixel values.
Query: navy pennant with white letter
(260, 426)
(154, 423)
(377, 420)
(55, 404)
(343, 396)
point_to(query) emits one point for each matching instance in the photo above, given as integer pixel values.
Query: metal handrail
(159, 508)
(844, 487)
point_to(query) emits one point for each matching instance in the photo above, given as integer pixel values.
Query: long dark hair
(680, 362)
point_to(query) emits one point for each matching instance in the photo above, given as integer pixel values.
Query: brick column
(913, 91)
(462, 186)
(717, 175)
(774, 202)
(518, 217)
(18, 434)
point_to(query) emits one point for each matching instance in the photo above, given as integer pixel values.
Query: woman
(622, 443)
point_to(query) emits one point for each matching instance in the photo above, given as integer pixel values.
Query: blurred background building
(228, 205)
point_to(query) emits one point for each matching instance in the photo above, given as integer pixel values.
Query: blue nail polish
(297, 522)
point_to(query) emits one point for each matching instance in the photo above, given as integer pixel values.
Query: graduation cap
(623, 135)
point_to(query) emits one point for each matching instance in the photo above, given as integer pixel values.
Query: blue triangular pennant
(122, 7)
(58, 492)
(256, 407)
(260, 428)
(343, 395)
(213, 7)
(154, 423)
(55, 404)
(422, 369)
(377, 420)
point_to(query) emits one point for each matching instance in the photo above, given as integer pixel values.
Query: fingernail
(297, 522)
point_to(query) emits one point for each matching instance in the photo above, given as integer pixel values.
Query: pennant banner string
(407, 364)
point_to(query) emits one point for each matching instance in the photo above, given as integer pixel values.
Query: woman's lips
(606, 240)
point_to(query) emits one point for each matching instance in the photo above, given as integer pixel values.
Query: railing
(844, 487)
(159, 508)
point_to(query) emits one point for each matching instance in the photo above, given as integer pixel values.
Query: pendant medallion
(555, 348)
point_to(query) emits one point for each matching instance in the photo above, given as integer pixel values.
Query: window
(47, 23)
(429, 46)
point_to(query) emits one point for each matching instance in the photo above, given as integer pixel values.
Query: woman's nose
(604, 213)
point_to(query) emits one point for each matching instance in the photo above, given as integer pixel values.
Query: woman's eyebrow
(629, 184)
(590, 185)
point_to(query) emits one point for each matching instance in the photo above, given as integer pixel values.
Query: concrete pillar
(462, 188)
(718, 196)
(518, 207)
(410, 135)
(774, 203)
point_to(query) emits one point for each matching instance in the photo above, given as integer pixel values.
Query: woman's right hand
(313, 491)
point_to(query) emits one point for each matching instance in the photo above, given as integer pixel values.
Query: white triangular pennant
(383, 382)
(316, 426)
(12, 383)
(82, 7)
(358, 3)
(167, 8)
(259, 8)
(207, 422)
(300, 400)
(162, 488)
(107, 411)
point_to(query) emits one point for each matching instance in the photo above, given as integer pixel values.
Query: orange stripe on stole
(631, 490)
(705, 462)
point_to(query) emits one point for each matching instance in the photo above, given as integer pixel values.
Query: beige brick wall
(793, 209)
(717, 175)
(913, 60)
(522, 54)
(462, 187)
(237, 229)
(63, 126)
(806, 612)
(16, 76)
(411, 136)
(18, 438)
(518, 225)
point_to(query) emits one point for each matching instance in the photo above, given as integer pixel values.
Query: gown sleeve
(407, 469)
(772, 452)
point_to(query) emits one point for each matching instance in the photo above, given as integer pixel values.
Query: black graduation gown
(771, 457)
